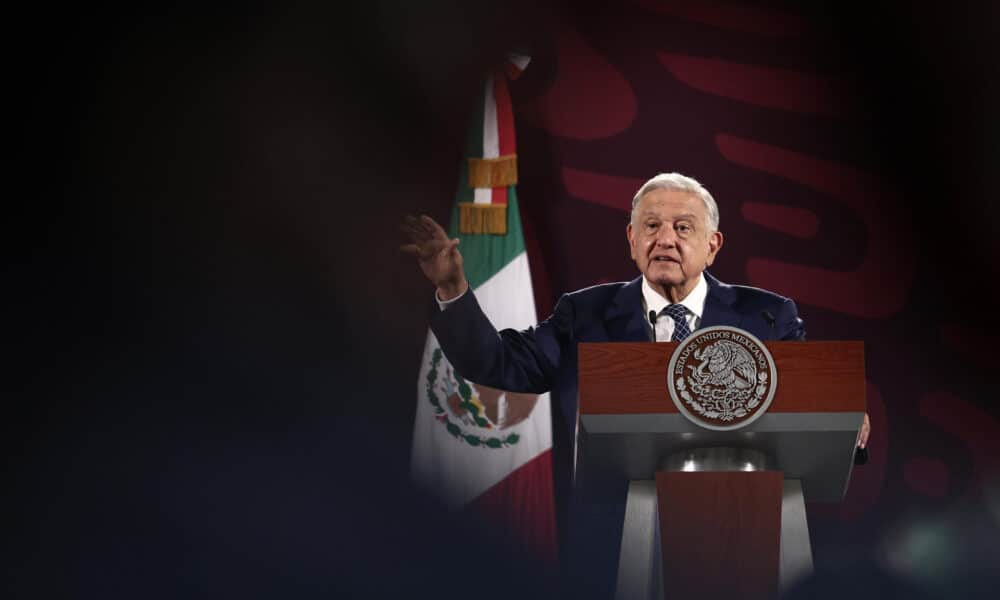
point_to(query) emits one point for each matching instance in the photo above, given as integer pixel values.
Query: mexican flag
(477, 447)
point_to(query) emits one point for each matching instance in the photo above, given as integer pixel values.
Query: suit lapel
(623, 318)
(625, 322)
(719, 305)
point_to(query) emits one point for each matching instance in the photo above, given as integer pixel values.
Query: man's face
(670, 241)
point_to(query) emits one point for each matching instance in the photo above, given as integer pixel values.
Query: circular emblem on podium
(722, 378)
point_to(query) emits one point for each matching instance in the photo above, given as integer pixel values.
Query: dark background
(214, 341)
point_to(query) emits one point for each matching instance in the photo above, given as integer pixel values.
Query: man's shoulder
(746, 295)
(734, 294)
(598, 294)
(746, 300)
(595, 301)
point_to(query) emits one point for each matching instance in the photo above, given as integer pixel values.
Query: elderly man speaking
(673, 237)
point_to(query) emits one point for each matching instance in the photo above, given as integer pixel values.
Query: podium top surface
(629, 423)
(631, 377)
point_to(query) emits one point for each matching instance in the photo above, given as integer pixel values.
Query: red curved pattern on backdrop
(866, 481)
(727, 15)
(607, 190)
(770, 87)
(797, 222)
(879, 286)
(927, 476)
(975, 428)
(616, 192)
(590, 98)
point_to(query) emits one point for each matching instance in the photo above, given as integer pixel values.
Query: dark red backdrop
(843, 182)
(216, 340)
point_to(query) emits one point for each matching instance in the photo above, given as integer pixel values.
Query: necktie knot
(678, 312)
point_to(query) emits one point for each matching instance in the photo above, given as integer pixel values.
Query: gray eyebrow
(691, 216)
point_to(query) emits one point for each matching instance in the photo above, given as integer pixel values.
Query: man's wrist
(450, 292)
(445, 303)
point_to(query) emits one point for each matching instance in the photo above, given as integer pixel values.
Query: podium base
(640, 572)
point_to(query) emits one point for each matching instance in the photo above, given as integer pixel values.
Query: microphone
(652, 321)
(768, 317)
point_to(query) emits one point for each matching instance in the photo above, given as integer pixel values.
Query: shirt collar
(694, 302)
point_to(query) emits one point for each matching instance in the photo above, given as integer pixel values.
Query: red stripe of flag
(505, 127)
(521, 505)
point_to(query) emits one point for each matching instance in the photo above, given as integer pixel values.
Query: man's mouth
(665, 259)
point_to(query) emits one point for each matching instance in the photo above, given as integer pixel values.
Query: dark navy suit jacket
(544, 358)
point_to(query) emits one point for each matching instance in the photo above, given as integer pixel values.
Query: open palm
(437, 255)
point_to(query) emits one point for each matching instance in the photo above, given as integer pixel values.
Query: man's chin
(665, 275)
(663, 281)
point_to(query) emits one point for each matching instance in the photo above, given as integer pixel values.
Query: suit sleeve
(517, 361)
(790, 326)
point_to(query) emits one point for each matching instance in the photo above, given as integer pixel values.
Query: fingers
(414, 229)
(426, 236)
(423, 229)
(866, 428)
(432, 228)
(427, 239)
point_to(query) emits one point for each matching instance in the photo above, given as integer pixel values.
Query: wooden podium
(713, 514)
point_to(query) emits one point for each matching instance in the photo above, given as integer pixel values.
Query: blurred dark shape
(312, 517)
(216, 355)
(855, 580)
(952, 552)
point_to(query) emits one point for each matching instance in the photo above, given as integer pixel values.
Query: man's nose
(666, 236)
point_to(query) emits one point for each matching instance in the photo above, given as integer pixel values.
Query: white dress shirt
(693, 302)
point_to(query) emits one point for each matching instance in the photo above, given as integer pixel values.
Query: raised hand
(437, 255)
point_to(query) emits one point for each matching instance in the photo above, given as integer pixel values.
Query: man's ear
(630, 236)
(715, 240)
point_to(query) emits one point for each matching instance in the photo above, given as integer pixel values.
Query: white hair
(680, 183)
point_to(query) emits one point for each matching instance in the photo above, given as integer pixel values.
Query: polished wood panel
(720, 533)
(630, 377)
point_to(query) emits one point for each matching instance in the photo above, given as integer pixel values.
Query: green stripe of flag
(485, 253)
